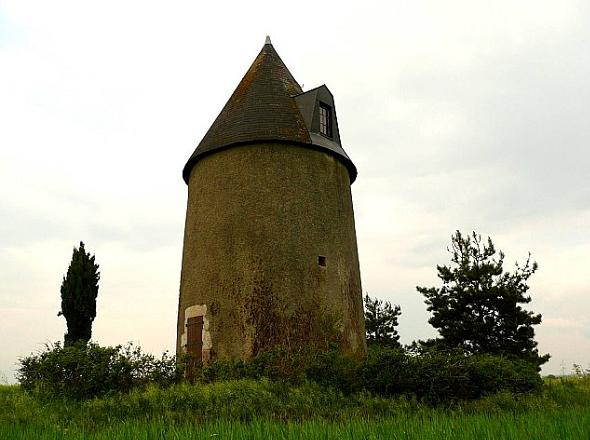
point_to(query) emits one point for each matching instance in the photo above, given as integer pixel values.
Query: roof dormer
(319, 113)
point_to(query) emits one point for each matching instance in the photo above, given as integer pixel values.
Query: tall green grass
(263, 409)
(539, 425)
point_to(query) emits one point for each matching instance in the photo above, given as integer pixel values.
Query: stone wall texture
(258, 217)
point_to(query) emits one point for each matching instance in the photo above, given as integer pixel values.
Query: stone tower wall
(258, 217)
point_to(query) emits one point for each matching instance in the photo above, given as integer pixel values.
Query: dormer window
(325, 120)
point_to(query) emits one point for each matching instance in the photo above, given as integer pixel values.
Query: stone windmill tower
(270, 254)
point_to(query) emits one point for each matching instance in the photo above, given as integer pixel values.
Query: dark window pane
(325, 120)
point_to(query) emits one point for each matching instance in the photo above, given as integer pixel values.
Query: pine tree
(477, 309)
(381, 322)
(78, 296)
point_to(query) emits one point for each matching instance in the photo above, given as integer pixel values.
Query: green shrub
(335, 369)
(490, 374)
(278, 365)
(83, 371)
(387, 372)
(432, 376)
(442, 376)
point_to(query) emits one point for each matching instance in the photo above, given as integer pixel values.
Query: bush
(330, 368)
(335, 369)
(490, 374)
(279, 364)
(432, 376)
(439, 376)
(83, 371)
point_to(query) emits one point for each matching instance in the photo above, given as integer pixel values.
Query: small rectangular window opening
(322, 261)
(325, 120)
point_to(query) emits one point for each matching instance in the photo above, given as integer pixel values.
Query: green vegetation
(480, 379)
(82, 371)
(79, 290)
(477, 309)
(381, 321)
(266, 409)
(431, 377)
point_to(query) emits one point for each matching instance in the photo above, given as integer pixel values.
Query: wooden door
(194, 345)
(194, 338)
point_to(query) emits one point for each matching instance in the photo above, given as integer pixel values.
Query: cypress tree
(78, 296)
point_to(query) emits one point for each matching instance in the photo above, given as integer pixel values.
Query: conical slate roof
(262, 108)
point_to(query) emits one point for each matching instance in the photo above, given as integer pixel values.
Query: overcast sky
(468, 115)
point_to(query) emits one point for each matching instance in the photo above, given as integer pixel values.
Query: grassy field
(264, 410)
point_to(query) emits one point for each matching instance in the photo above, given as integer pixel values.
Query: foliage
(477, 309)
(281, 364)
(433, 376)
(78, 296)
(264, 409)
(334, 369)
(381, 320)
(82, 371)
